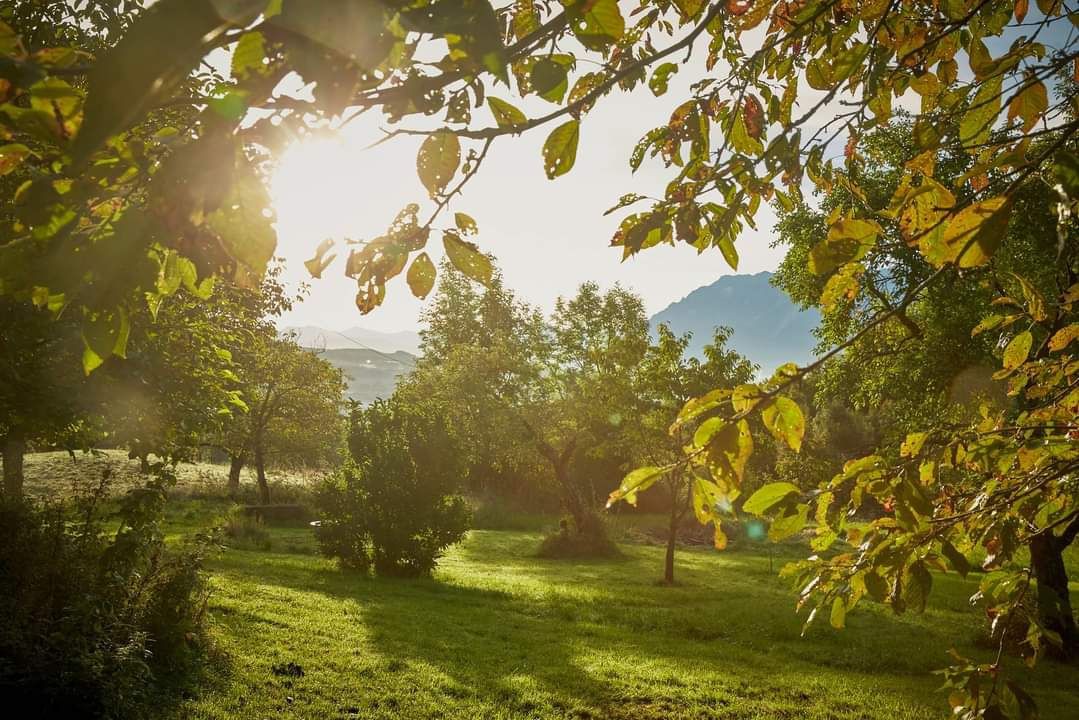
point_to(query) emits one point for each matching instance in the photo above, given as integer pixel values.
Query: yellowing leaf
(1018, 350)
(1029, 105)
(978, 121)
(848, 239)
(467, 258)
(637, 481)
(972, 236)
(838, 617)
(505, 114)
(421, 276)
(1063, 337)
(560, 149)
(437, 161)
(785, 421)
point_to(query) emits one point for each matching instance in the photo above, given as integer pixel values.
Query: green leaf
(506, 115)
(421, 276)
(437, 161)
(600, 25)
(977, 123)
(661, 78)
(637, 481)
(768, 497)
(785, 421)
(467, 258)
(975, 233)
(1018, 350)
(152, 58)
(249, 55)
(789, 524)
(560, 149)
(838, 617)
(550, 78)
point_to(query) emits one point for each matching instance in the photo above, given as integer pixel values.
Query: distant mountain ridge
(767, 327)
(311, 336)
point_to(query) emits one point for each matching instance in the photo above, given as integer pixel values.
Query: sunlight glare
(320, 190)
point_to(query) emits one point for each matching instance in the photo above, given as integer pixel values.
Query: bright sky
(548, 236)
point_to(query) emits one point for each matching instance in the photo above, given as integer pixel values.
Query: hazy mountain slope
(357, 337)
(369, 374)
(768, 328)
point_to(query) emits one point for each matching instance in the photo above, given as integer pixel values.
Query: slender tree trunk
(144, 464)
(260, 470)
(672, 538)
(236, 464)
(14, 449)
(678, 512)
(1054, 602)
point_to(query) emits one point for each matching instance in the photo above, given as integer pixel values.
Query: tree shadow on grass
(522, 638)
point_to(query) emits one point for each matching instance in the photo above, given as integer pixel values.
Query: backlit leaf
(560, 149)
(421, 276)
(467, 258)
(437, 161)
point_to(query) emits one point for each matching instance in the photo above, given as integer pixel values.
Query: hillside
(768, 328)
(370, 374)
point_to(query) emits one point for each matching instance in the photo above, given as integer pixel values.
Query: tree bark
(260, 470)
(14, 449)
(144, 464)
(1054, 602)
(678, 512)
(236, 464)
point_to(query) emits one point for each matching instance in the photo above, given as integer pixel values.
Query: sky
(548, 236)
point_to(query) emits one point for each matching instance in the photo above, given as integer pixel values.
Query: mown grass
(499, 633)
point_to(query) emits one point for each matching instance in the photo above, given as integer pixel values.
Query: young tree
(397, 507)
(667, 379)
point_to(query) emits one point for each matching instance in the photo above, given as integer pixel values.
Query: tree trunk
(144, 464)
(14, 448)
(585, 520)
(672, 538)
(236, 464)
(260, 470)
(1054, 603)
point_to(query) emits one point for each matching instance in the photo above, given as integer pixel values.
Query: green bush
(100, 619)
(396, 507)
(594, 542)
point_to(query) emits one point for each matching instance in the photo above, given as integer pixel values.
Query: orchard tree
(294, 410)
(44, 397)
(777, 87)
(666, 380)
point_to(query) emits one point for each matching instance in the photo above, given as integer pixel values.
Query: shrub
(593, 542)
(395, 507)
(100, 619)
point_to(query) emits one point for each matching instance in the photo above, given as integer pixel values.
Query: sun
(316, 193)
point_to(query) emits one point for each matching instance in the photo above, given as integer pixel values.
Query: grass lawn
(498, 633)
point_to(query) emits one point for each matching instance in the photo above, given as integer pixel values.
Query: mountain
(311, 336)
(370, 374)
(768, 328)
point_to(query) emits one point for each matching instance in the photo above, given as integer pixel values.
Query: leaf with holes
(437, 161)
(467, 258)
(421, 276)
(560, 150)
